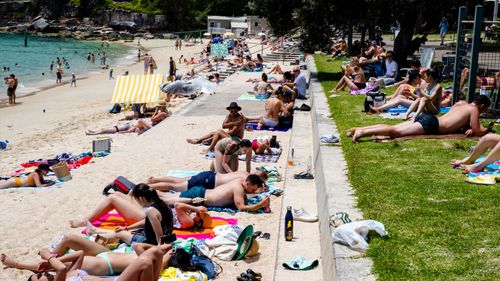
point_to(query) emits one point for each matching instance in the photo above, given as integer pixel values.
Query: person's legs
(218, 135)
(392, 104)
(426, 105)
(413, 107)
(485, 143)
(217, 164)
(490, 158)
(125, 205)
(10, 263)
(233, 163)
(8, 183)
(147, 267)
(400, 130)
(77, 243)
(172, 183)
(201, 139)
(340, 85)
(351, 85)
(102, 131)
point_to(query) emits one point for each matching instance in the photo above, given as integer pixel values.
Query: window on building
(256, 24)
(212, 24)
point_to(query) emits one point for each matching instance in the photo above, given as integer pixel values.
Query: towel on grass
(489, 176)
(265, 128)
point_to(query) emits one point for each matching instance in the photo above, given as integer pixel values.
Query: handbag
(202, 262)
(182, 260)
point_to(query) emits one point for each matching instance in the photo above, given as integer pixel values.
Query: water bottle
(289, 224)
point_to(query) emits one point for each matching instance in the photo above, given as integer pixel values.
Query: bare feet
(8, 262)
(333, 91)
(192, 141)
(357, 135)
(351, 132)
(77, 223)
(473, 168)
(374, 110)
(205, 150)
(90, 229)
(461, 162)
(152, 180)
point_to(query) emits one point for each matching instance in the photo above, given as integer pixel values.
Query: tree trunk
(407, 26)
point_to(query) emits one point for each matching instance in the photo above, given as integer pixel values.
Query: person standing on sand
(104, 58)
(93, 58)
(11, 82)
(146, 63)
(59, 74)
(73, 80)
(111, 73)
(171, 68)
(139, 55)
(176, 44)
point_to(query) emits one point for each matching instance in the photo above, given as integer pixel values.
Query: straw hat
(254, 249)
(207, 220)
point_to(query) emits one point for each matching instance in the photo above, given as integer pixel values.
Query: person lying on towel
(462, 117)
(489, 141)
(34, 179)
(230, 195)
(140, 127)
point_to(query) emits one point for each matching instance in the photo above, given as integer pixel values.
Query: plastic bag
(355, 234)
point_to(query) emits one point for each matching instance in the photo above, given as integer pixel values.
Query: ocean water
(35, 59)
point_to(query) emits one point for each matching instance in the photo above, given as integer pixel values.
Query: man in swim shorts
(206, 179)
(229, 195)
(463, 117)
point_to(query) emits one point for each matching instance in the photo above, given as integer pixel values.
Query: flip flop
(303, 175)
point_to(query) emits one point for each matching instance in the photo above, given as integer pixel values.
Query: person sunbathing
(484, 83)
(404, 95)
(274, 109)
(206, 179)
(276, 69)
(34, 179)
(263, 86)
(430, 99)
(265, 145)
(354, 79)
(229, 195)
(489, 141)
(461, 117)
(78, 267)
(183, 216)
(140, 127)
(233, 126)
(227, 151)
(248, 64)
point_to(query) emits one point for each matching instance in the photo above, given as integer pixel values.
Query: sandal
(303, 175)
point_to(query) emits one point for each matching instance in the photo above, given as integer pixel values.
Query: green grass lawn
(440, 227)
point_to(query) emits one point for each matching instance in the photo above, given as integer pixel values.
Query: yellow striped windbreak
(137, 88)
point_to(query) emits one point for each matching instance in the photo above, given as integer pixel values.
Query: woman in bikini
(430, 100)
(355, 79)
(404, 95)
(183, 216)
(34, 179)
(226, 155)
(146, 265)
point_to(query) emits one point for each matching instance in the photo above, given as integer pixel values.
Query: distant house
(248, 24)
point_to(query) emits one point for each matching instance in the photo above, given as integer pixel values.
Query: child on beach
(73, 80)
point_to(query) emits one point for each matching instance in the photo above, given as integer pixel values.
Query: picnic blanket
(252, 96)
(265, 128)
(263, 158)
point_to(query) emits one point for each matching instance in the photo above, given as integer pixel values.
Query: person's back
(223, 195)
(457, 118)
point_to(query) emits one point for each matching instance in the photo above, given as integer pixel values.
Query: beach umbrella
(207, 34)
(198, 84)
(228, 34)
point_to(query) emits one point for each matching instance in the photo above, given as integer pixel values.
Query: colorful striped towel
(206, 233)
(254, 127)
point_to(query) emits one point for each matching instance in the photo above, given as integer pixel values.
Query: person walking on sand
(180, 45)
(51, 66)
(139, 55)
(176, 44)
(73, 80)
(111, 73)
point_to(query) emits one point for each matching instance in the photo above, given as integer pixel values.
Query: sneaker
(303, 215)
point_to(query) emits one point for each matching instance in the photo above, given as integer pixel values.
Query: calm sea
(33, 62)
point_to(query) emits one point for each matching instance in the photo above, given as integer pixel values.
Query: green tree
(278, 13)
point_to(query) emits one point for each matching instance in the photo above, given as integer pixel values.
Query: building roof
(227, 18)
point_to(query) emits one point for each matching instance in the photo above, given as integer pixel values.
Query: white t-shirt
(391, 66)
(301, 85)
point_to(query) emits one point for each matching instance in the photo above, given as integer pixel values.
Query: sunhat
(300, 263)
(207, 220)
(233, 105)
(244, 242)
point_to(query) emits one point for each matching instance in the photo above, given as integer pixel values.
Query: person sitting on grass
(430, 99)
(230, 195)
(233, 126)
(462, 117)
(489, 141)
(404, 95)
(354, 78)
(76, 266)
(206, 179)
(34, 179)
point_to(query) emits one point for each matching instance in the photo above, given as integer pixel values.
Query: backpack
(374, 99)
(120, 184)
(116, 108)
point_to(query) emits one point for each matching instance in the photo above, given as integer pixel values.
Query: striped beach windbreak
(137, 88)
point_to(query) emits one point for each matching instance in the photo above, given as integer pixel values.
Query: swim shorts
(10, 92)
(205, 179)
(197, 191)
(270, 123)
(429, 122)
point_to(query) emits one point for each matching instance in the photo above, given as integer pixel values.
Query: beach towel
(364, 90)
(175, 274)
(206, 233)
(252, 96)
(265, 128)
(57, 184)
(447, 136)
(109, 221)
(489, 176)
(264, 158)
(252, 70)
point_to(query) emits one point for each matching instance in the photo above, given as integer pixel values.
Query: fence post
(462, 13)
(476, 43)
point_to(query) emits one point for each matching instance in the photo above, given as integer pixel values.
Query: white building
(248, 24)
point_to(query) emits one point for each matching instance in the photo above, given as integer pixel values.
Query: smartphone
(169, 238)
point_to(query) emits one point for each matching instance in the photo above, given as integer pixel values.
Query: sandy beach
(53, 121)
